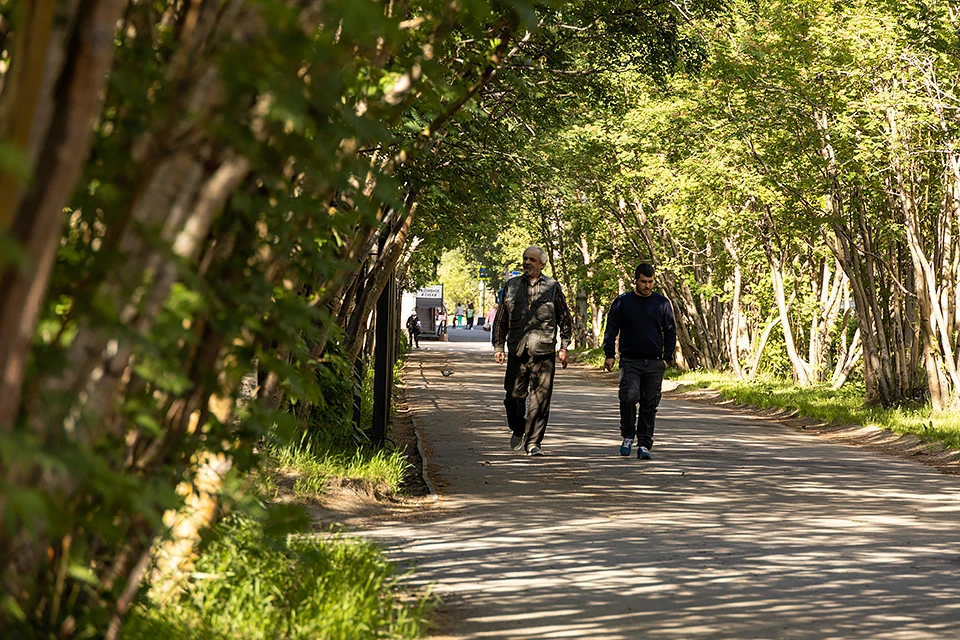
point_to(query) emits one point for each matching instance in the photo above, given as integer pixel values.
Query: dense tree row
(191, 190)
(797, 183)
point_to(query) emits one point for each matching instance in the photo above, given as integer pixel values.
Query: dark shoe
(644, 454)
(534, 451)
(516, 443)
(626, 446)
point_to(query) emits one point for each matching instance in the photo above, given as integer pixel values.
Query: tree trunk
(733, 341)
(754, 364)
(590, 328)
(801, 369)
(943, 377)
(50, 99)
(377, 280)
(859, 265)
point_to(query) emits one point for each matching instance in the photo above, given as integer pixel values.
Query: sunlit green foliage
(250, 583)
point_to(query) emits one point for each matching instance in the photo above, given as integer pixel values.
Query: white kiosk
(429, 305)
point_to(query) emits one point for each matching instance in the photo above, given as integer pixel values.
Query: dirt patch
(931, 453)
(348, 504)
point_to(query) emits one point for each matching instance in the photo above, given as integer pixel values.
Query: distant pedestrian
(527, 321)
(471, 313)
(459, 316)
(648, 338)
(491, 314)
(414, 328)
(441, 321)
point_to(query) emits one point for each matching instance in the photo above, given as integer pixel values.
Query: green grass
(842, 406)
(251, 582)
(252, 585)
(590, 357)
(381, 469)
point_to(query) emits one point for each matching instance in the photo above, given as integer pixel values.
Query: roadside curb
(424, 473)
(424, 463)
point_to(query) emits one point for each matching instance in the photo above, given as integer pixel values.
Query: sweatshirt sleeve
(564, 320)
(613, 328)
(669, 332)
(501, 323)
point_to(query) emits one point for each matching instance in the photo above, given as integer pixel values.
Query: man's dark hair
(644, 269)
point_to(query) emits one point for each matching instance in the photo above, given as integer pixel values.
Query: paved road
(740, 528)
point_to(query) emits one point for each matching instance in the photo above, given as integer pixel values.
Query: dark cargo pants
(529, 376)
(640, 387)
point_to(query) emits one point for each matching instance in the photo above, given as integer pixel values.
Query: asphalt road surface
(739, 528)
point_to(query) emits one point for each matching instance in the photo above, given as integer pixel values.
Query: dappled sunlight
(739, 527)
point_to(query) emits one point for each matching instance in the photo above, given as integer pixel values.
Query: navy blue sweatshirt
(646, 326)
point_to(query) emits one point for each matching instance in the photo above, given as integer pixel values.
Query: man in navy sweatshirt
(648, 338)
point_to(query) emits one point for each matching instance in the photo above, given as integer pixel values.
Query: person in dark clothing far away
(414, 328)
(441, 320)
(470, 313)
(528, 318)
(648, 338)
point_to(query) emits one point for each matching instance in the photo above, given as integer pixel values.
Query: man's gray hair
(543, 254)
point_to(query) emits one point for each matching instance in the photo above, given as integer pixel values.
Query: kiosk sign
(434, 292)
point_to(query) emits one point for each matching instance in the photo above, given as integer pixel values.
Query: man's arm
(669, 333)
(610, 335)
(564, 319)
(498, 332)
(564, 324)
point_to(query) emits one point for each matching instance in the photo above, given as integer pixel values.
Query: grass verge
(251, 584)
(260, 578)
(841, 406)
(380, 469)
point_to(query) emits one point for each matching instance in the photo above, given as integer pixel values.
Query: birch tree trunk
(943, 377)
(801, 368)
(733, 342)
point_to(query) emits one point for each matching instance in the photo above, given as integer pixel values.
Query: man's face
(531, 263)
(644, 285)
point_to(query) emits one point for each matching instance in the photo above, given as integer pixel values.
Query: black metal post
(386, 327)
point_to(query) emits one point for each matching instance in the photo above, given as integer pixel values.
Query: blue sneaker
(626, 446)
(644, 454)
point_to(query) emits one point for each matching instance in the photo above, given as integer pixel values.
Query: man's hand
(499, 357)
(608, 364)
(563, 358)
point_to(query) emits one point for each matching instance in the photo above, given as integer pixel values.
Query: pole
(386, 325)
